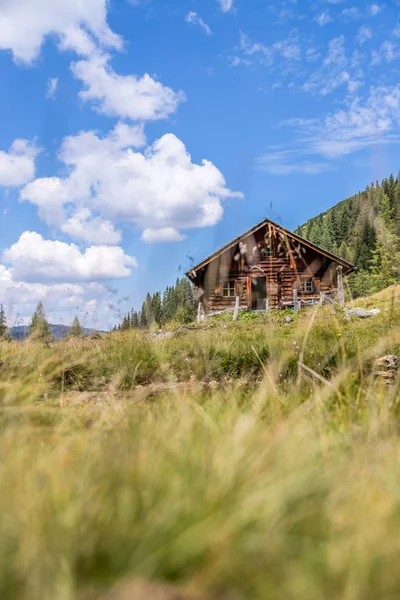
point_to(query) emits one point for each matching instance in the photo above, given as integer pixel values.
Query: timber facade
(266, 266)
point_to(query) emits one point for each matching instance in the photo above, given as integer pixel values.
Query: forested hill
(365, 230)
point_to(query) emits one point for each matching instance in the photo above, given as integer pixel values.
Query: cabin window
(228, 289)
(306, 286)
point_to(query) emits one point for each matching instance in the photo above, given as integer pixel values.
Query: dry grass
(275, 481)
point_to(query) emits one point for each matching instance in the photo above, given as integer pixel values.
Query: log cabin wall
(285, 263)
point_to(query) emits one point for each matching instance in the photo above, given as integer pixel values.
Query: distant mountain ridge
(59, 332)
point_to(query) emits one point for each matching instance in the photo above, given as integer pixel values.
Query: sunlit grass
(249, 460)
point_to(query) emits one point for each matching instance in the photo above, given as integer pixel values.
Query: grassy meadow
(250, 460)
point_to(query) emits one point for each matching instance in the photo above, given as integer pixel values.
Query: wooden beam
(236, 313)
(339, 271)
(296, 305)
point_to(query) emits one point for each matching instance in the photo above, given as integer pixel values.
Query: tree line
(177, 303)
(364, 230)
(39, 328)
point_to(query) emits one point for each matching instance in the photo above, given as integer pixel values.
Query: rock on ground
(362, 313)
(390, 362)
(386, 369)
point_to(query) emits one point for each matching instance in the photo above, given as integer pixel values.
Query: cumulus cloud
(17, 166)
(24, 24)
(363, 123)
(124, 96)
(82, 227)
(34, 259)
(158, 188)
(62, 301)
(193, 17)
(165, 234)
(86, 156)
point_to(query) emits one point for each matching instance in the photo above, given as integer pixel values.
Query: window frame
(226, 289)
(304, 281)
(229, 286)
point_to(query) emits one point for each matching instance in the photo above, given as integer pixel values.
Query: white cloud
(17, 166)
(335, 71)
(24, 24)
(364, 35)
(165, 234)
(225, 5)
(287, 49)
(193, 17)
(363, 123)
(34, 259)
(124, 96)
(323, 19)
(86, 156)
(81, 226)
(52, 85)
(387, 52)
(396, 31)
(77, 40)
(62, 301)
(375, 9)
(350, 14)
(158, 188)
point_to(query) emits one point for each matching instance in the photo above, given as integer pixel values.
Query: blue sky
(137, 135)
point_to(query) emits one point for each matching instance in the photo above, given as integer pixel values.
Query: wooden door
(259, 292)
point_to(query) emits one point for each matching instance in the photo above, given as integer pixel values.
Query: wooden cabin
(267, 263)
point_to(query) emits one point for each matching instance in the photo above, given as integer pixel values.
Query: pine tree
(142, 318)
(39, 328)
(147, 311)
(396, 206)
(3, 323)
(76, 329)
(126, 323)
(157, 310)
(135, 324)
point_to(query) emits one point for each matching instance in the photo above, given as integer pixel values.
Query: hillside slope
(364, 229)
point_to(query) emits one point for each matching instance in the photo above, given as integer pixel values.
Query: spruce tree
(76, 329)
(135, 324)
(126, 323)
(39, 328)
(147, 311)
(385, 263)
(142, 318)
(156, 307)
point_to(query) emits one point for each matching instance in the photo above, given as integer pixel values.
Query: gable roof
(348, 267)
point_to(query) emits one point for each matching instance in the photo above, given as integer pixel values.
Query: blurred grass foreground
(250, 460)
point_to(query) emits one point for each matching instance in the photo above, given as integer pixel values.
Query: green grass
(211, 460)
